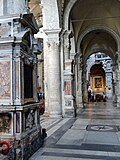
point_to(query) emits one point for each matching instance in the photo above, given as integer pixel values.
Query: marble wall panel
(15, 7)
(17, 88)
(18, 121)
(5, 80)
(5, 29)
(1, 7)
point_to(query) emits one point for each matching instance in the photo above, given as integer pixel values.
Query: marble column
(46, 54)
(52, 73)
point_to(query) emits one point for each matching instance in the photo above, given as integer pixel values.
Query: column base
(70, 112)
(55, 115)
(46, 114)
(79, 108)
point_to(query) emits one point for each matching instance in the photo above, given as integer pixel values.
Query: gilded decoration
(5, 80)
(98, 82)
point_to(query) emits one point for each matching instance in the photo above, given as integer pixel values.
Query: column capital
(52, 31)
(52, 35)
(52, 44)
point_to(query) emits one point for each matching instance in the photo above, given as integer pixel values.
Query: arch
(106, 29)
(96, 51)
(67, 13)
(103, 28)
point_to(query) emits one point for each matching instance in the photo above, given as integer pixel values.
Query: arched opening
(99, 76)
(95, 31)
(99, 47)
(97, 79)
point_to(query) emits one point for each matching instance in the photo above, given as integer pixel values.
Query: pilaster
(117, 79)
(79, 82)
(67, 45)
(85, 84)
(69, 99)
(69, 108)
(114, 82)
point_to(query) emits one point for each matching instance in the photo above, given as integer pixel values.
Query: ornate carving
(67, 43)
(30, 119)
(48, 44)
(4, 147)
(5, 123)
(68, 103)
(52, 44)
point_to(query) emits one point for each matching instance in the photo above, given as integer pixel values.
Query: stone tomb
(19, 113)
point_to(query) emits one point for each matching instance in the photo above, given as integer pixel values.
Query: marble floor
(93, 135)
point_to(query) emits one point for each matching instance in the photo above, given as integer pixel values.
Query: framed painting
(98, 82)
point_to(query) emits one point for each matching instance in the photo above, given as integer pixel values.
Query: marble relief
(5, 123)
(29, 119)
(5, 80)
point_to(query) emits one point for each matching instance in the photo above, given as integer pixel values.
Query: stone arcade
(74, 30)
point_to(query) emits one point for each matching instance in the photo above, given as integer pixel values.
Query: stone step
(66, 154)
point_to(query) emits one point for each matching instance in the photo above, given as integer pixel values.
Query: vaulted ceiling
(86, 14)
(96, 12)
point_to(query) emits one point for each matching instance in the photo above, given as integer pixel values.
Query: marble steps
(72, 154)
